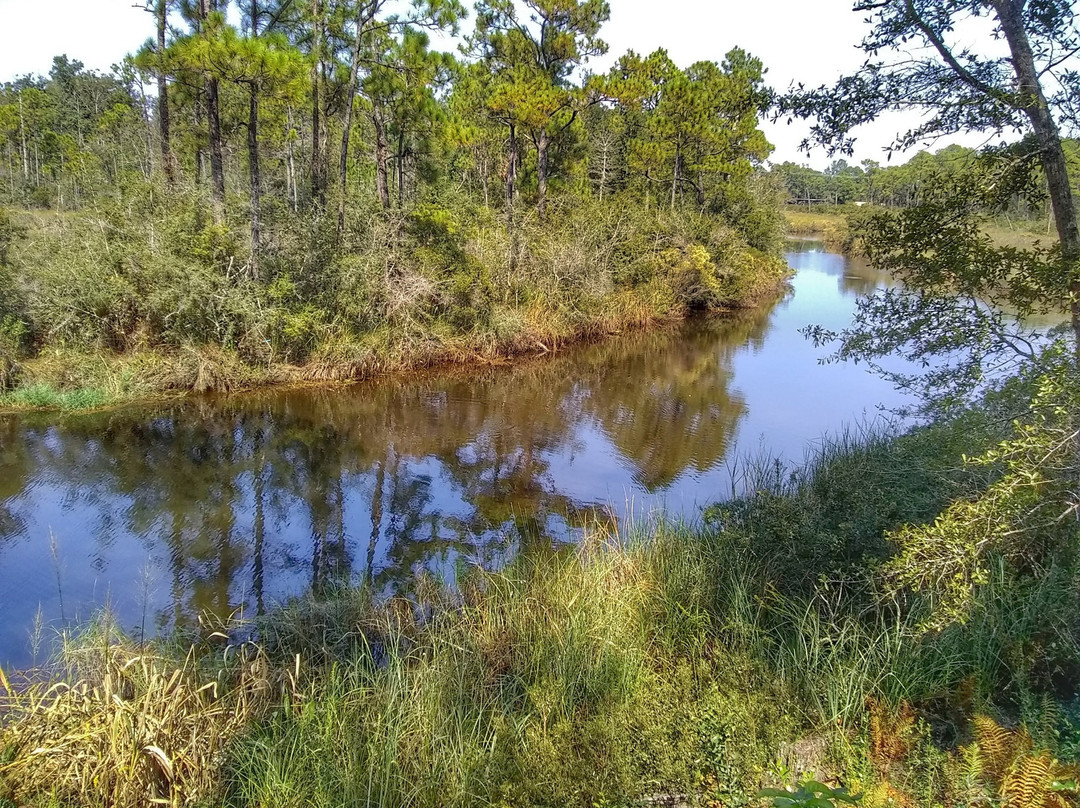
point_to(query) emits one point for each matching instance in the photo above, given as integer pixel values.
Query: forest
(420, 591)
(280, 191)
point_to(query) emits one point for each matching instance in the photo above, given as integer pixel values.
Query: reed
(125, 727)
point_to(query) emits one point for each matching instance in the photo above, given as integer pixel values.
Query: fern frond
(1027, 783)
(996, 745)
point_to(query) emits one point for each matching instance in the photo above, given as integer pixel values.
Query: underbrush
(700, 662)
(151, 295)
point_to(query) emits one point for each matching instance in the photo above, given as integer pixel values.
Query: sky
(810, 41)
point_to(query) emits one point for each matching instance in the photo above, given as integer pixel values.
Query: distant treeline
(899, 185)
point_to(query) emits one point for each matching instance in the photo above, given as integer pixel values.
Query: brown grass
(133, 726)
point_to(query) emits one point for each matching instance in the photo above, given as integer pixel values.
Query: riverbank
(832, 224)
(76, 381)
(701, 661)
(829, 225)
(129, 317)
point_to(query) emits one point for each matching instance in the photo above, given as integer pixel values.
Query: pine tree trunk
(542, 144)
(217, 160)
(401, 171)
(25, 149)
(511, 172)
(253, 158)
(511, 179)
(200, 152)
(382, 187)
(675, 180)
(318, 169)
(256, 179)
(213, 128)
(350, 97)
(290, 162)
(167, 164)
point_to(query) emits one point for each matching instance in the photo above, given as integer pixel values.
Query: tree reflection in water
(236, 503)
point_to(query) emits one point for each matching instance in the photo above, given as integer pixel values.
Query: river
(230, 505)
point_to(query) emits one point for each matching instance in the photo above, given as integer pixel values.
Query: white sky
(811, 41)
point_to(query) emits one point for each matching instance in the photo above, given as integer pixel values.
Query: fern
(1027, 783)
(890, 732)
(997, 746)
(1024, 778)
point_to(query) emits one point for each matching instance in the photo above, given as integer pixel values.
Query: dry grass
(131, 729)
(832, 228)
(1021, 235)
(809, 223)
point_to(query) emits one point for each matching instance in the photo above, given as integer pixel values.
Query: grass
(812, 222)
(704, 661)
(80, 380)
(1021, 235)
(830, 223)
(42, 396)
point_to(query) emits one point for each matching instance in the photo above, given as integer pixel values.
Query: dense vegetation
(898, 617)
(318, 187)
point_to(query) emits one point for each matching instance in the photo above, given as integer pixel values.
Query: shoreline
(224, 373)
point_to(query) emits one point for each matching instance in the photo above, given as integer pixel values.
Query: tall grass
(124, 726)
(575, 679)
(44, 396)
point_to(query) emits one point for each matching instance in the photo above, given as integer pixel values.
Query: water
(230, 505)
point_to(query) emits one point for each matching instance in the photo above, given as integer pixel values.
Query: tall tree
(694, 129)
(161, 19)
(402, 85)
(318, 130)
(266, 64)
(213, 116)
(535, 60)
(365, 13)
(918, 60)
(382, 43)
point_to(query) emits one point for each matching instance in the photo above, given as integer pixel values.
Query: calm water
(234, 504)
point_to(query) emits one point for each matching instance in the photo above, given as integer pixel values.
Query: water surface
(233, 504)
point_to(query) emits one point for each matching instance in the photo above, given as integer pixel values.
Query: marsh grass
(123, 725)
(579, 678)
(43, 396)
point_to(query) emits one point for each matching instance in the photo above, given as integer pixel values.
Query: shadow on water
(236, 503)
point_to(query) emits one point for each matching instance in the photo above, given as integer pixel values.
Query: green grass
(43, 396)
(576, 679)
